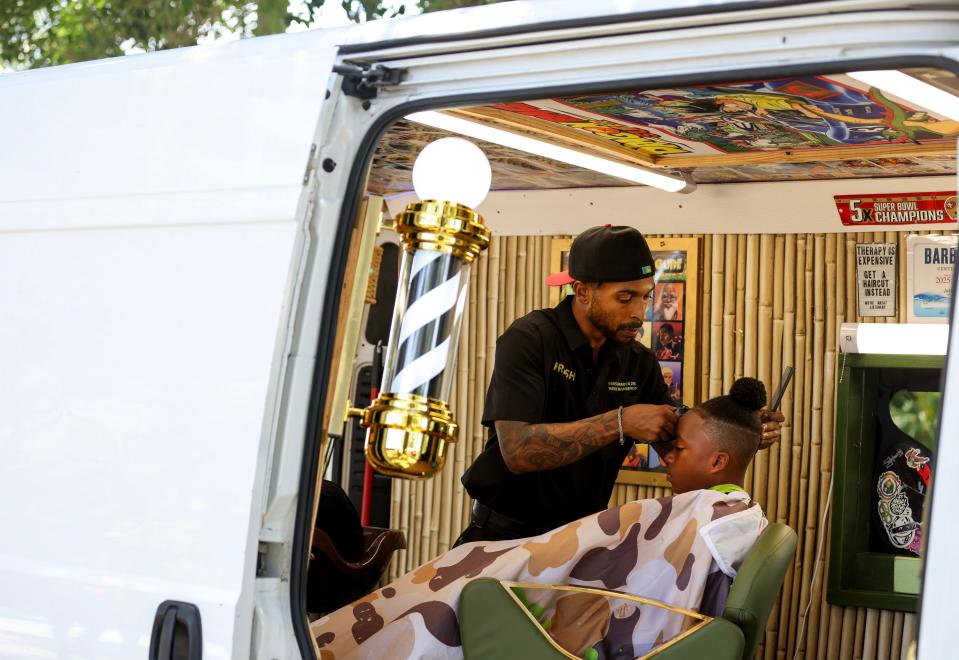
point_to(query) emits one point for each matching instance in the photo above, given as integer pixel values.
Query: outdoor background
(37, 33)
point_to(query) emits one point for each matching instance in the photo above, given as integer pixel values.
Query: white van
(174, 232)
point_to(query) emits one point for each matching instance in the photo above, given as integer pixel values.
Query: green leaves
(36, 33)
(442, 5)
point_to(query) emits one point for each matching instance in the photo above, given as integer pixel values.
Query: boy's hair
(732, 420)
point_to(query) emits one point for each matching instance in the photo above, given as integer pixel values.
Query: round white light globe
(452, 170)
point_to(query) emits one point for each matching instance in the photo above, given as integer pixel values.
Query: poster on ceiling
(671, 125)
(787, 113)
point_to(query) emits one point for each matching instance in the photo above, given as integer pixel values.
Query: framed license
(670, 331)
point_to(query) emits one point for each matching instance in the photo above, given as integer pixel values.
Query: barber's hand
(772, 423)
(649, 423)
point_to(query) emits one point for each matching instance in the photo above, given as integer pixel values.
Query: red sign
(931, 208)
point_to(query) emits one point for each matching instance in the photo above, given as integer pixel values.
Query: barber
(571, 392)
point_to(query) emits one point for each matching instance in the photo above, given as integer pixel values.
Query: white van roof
(531, 16)
(250, 107)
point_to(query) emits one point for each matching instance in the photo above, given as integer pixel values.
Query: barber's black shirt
(544, 372)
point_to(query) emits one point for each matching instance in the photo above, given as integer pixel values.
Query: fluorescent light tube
(911, 89)
(538, 147)
(894, 338)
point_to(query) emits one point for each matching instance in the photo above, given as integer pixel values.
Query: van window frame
(353, 196)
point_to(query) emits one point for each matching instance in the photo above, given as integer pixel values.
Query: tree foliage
(360, 11)
(36, 33)
(441, 5)
(43, 32)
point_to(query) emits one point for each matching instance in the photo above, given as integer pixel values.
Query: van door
(149, 212)
(731, 42)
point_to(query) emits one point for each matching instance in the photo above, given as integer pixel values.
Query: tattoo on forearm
(537, 447)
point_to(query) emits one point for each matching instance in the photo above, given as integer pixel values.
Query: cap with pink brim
(606, 254)
(559, 279)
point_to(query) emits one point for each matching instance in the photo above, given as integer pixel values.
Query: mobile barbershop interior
(778, 210)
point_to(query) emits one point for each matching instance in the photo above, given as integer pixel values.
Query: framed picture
(670, 331)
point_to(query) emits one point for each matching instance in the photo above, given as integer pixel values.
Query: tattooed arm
(537, 447)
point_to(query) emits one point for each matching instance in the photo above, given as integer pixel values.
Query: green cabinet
(861, 573)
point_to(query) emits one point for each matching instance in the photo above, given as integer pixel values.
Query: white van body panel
(148, 236)
(165, 246)
(188, 136)
(130, 434)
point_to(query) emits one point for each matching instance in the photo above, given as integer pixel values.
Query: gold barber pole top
(443, 227)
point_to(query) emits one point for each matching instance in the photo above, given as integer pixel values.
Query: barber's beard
(601, 321)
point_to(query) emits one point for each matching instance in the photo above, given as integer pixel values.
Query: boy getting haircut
(732, 420)
(716, 440)
(683, 549)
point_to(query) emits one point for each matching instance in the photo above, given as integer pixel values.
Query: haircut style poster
(669, 331)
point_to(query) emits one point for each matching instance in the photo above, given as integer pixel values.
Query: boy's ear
(718, 462)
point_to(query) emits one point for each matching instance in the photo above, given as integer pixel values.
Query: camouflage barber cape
(674, 549)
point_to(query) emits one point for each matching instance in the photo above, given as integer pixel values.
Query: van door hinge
(261, 559)
(363, 81)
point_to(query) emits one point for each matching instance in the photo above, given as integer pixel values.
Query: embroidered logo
(561, 368)
(622, 385)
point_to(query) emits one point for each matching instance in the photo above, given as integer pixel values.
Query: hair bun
(749, 393)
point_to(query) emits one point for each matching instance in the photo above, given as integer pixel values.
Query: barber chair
(758, 583)
(333, 581)
(495, 624)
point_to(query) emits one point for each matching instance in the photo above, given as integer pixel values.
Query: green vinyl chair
(758, 583)
(495, 624)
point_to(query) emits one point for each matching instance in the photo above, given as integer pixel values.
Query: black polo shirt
(544, 372)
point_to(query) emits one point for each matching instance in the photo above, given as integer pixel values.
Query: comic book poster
(787, 113)
(673, 124)
(669, 331)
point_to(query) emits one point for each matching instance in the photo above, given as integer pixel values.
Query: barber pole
(435, 298)
(410, 423)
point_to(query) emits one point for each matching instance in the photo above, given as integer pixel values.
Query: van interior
(777, 183)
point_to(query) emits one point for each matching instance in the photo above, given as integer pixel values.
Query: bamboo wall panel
(767, 302)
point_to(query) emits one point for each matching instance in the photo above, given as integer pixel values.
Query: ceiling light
(547, 150)
(911, 89)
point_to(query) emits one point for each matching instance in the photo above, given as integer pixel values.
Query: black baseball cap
(607, 254)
